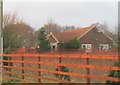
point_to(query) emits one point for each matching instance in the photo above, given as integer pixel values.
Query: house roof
(71, 34)
(51, 34)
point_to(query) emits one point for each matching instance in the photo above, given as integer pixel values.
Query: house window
(103, 47)
(86, 46)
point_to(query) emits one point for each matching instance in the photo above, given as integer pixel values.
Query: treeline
(16, 33)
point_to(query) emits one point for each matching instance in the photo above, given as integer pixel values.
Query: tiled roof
(71, 34)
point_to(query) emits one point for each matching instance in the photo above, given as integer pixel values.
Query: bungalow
(91, 38)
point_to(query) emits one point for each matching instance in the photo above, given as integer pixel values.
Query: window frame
(104, 46)
(87, 46)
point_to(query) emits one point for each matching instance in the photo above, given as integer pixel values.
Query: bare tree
(11, 18)
(72, 27)
(51, 26)
(16, 33)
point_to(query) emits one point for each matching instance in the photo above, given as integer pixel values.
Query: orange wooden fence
(86, 65)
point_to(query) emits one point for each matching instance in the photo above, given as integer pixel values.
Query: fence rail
(86, 65)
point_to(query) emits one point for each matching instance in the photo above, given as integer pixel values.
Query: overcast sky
(79, 14)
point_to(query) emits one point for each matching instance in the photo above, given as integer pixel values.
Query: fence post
(87, 71)
(39, 66)
(59, 68)
(23, 67)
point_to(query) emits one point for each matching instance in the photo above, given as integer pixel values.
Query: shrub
(72, 44)
(62, 76)
(7, 51)
(115, 74)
